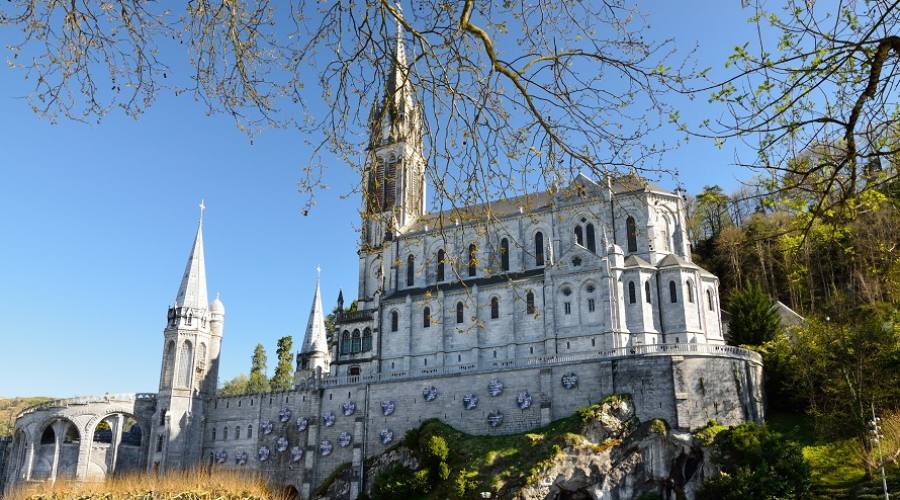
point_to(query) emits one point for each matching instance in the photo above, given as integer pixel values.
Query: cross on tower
(318, 272)
(202, 208)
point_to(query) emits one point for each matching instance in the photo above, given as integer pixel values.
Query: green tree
(283, 380)
(258, 382)
(237, 386)
(753, 318)
(756, 463)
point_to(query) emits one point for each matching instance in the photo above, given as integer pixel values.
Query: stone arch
(290, 492)
(117, 443)
(56, 451)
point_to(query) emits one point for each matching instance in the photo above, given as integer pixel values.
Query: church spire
(316, 340)
(192, 292)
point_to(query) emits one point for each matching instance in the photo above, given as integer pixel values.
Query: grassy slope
(10, 407)
(836, 471)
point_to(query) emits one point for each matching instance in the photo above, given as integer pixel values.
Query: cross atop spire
(202, 209)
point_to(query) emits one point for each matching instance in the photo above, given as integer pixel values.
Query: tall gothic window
(394, 320)
(440, 264)
(591, 240)
(647, 291)
(579, 236)
(495, 308)
(538, 249)
(473, 259)
(410, 270)
(673, 292)
(250, 431)
(367, 340)
(631, 233)
(356, 342)
(225, 433)
(201, 358)
(690, 290)
(529, 301)
(709, 299)
(345, 342)
(631, 295)
(426, 317)
(169, 364)
(504, 254)
(186, 357)
(460, 312)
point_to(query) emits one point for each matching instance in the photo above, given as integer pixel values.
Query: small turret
(314, 354)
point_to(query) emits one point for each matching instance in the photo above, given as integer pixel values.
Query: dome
(217, 307)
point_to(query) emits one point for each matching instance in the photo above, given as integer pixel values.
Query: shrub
(398, 481)
(754, 319)
(465, 482)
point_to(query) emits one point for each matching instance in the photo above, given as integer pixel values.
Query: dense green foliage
(283, 380)
(756, 463)
(259, 383)
(753, 319)
(237, 386)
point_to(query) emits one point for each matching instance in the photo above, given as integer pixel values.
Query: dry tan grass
(189, 485)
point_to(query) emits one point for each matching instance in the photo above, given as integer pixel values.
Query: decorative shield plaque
(349, 408)
(470, 401)
(302, 424)
(388, 407)
(495, 388)
(241, 459)
(387, 436)
(326, 448)
(495, 418)
(430, 393)
(266, 426)
(285, 414)
(296, 454)
(570, 380)
(344, 439)
(524, 400)
(281, 444)
(328, 418)
(263, 453)
(221, 456)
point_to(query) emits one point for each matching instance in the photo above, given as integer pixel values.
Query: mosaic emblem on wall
(326, 448)
(495, 388)
(349, 408)
(387, 436)
(524, 400)
(263, 453)
(221, 456)
(266, 426)
(470, 401)
(281, 444)
(495, 418)
(285, 414)
(344, 439)
(241, 458)
(296, 454)
(302, 424)
(328, 418)
(388, 407)
(570, 380)
(430, 393)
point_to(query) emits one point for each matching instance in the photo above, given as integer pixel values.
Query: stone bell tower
(190, 363)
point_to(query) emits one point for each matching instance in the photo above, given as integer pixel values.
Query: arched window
(460, 311)
(631, 233)
(345, 342)
(169, 364)
(647, 291)
(367, 340)
(250, 431)
(473, 259)
(673, 292)
(394, 320)
(529, 301)
(186, 358)
(426, 317)
(690, 288)
(504, 254)
(631, 296)
(356, 345)
(709, 299)
(237, 432)
(214, 434)
(410, 270)
(495, 308)
(579, 236)
(538, 248)
(591, 240)
(225, 434)
(439, 272)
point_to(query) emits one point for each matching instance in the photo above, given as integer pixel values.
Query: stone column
(29, 459)
(59, 433)
(116, 426)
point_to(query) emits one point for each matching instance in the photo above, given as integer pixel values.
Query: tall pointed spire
(192, 292)
(316, 340)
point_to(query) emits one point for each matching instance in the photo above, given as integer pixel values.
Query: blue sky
(96, 223)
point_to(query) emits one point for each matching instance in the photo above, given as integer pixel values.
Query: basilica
(496, 318)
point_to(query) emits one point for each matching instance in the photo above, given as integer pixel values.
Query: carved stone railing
(717, 350)
(354, 316)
